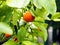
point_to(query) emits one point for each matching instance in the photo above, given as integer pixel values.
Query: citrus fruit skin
(7, 35)
(28, 17)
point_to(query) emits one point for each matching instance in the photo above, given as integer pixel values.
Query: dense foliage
(22, 22)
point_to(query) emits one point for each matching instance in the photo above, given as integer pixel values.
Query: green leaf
(39, 19)
(5, 28)
(21, 34)
(16, 16)
(44, 24)
(56, 15)
(56, 19)
(18, 3)
(29, 43)
(5, 13)
(10, 42)
(7, 16)
(37, 4)
(40, 12)
(49, 5)
(42, 30)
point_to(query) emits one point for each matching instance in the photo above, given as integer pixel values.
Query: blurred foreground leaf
(10, 42)
(5, 28)
(18, 3)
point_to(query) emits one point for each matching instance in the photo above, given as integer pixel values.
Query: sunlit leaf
(37, 3)
(4, 28)
(40, 12)
(16, 16)
(29, 43)
(56, 19)
(21, 34)
(56, 15)
(42, 30)
(10, 42)
(44, 24)
(18, 3)
(49, 5)
(39, 19)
